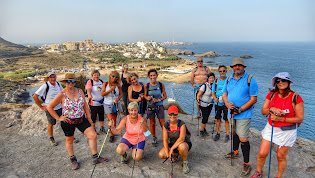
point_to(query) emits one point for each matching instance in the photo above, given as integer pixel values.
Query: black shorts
(176, 150)
(68, 129)
(219, 110)
(97, 110)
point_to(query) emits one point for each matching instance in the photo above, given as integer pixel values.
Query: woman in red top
(133, 138)
(285, 108)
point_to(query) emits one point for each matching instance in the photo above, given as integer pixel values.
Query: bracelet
(284, 119)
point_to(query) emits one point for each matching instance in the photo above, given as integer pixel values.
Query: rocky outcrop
(246, 56)
(210, 54)
(178, 52)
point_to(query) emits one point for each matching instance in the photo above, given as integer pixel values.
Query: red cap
(172, 109)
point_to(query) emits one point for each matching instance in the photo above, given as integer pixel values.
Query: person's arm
(86, 108)
(144, 124)
(192, 78)
(35, 97)
(265, 109)
(164, 93)
(50, 108)
(148, 98)
(180, 140)
(88, 89)
(165, 140)
(120, 94)
(104, 92)
(118, 129)
(213, 92)
(199, 96)
(250, 103)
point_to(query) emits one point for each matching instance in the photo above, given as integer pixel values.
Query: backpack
(197, 91)
(46, 91)
(178, 127)
(197, 69)
(294, 98)
(249, 78)
(160, 84)
(85, 91)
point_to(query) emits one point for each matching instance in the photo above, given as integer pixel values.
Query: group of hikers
(233, 97)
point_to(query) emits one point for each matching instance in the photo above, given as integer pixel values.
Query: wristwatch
(241, 109)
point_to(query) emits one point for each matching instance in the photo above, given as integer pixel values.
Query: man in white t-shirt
(47, 92)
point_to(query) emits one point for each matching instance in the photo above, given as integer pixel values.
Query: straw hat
(237, 61)
(70, 76)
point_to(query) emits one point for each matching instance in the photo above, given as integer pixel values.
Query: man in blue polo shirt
(239, 95)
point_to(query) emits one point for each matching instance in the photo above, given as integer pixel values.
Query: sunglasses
(222, 70)
(282, 80)
(115, 76)
(172, 114)
(70, 81)
(199, 61)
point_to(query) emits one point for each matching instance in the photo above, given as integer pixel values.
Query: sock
(52, 138)
(235, 152)
(236, 142)
(95, 155)
(245, 149)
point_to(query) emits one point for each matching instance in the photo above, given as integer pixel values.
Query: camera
(234, 110)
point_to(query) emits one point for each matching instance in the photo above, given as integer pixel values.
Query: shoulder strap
(106, 83)
(168, 125)
(249, 78)
(294, 99)
(178, 123)
(216, 84)
(272, 95)
(148, 85)
(91, 82)
(206, 69)
(229, 79)
(101, 80)
(58, 83)
(46, 91)
(161, 86)
(142, 86)
(196, 68)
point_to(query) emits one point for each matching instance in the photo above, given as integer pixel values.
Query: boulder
(246, 56)
(210, 54)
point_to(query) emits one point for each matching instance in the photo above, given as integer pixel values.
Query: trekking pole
(171, 166)
(100, 150)
(192, 115)
(232, 136)
(134, 161)
(214, 122)
(270, 148)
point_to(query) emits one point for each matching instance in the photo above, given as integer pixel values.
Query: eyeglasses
(172, 114)
(199, 61)
(282, 80)
(222, 70)
(70, 81)
(115, 76)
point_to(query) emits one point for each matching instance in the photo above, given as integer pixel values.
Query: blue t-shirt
(239, 93)
(219, 90)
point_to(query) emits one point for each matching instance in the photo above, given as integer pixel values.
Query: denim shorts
(140, 144)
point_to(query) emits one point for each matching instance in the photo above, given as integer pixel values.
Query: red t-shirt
(283, 104)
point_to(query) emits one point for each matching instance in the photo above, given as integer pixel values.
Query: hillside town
(139, 49)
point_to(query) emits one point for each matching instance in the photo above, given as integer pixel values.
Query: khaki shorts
(241, 127)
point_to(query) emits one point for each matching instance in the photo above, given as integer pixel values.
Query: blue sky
(43, 21)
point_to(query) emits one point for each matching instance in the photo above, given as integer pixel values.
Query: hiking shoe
(257, 175)
(227, 138)
(111, 139)
(185, 167)
(205, 132)
(202, 134)
(124, 158)
(235, 156)
(154, 142)
(53, 142)
(96, 159)
(102, 130)
(246, 169)
(216, 137)
(75, 140)
(74, 163)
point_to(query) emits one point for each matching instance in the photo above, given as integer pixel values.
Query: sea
(269, 58)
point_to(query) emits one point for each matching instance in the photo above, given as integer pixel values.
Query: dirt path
(25, 152)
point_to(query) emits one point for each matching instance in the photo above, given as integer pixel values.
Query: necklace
(72, 93)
